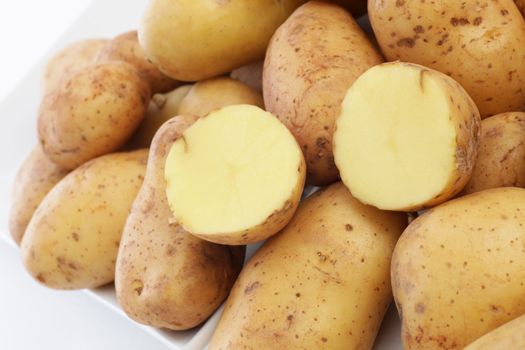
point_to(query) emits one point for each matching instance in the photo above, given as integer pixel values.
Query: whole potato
(35, 178)
(73, 238)
(510, 336)
(212, 94)
(70, 59)
(481, 44)
(250, 74)
(501, 154)
(458, 269)
(322, 283)
(198, 39)
(92, 113)
(312, 60)
(126, 47)
(165, 277)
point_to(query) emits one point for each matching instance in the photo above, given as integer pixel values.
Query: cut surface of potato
(406, 137)
(235, 176)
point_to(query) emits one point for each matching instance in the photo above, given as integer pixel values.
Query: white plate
(104, 19)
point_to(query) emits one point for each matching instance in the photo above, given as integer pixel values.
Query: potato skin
(126, 47)
(507, 337)
(322, 283)
(35, 178)
(312, 60)
(521, 6)
(193, 40)
(479, 44)
(250, 74)
(458, 269)
(72, 239)
(70, 59)
(166, 277)
(92, 113)
(501, 154)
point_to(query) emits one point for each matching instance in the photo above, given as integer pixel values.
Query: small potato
(69, 60)
(165, 277)
(126, 47)
(35, 178)
(458, 270)
(194, 40)
(510, 336)
(312, 60)
(250, 75)
(322, 283)
(501, 154)
(212, 94)
(92, 113)
(162, 108)
(73, 238)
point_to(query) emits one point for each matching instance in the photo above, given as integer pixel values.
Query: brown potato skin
(126, 47)
(510, 336)
(501, 153)
(250, 74)
(479, 44)
(322, 283)
(92, 113)
(521, 6)
(165, 277)
(458, 269)
(312, 60)
(35, 178)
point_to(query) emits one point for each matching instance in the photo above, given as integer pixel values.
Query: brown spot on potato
(349, 227)
(420, 308)
(406, 42)
(251, 287)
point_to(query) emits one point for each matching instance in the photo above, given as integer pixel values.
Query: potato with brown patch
(481, 44)
(312, 60)
(250, 74)
(322, 283)
(501, 154)
(510, 336)
(73, 237)
(126, 47)
(165, 277)
(458, 269)
(92, 113)
(35, 178)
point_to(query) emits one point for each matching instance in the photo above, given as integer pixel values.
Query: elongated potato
(312, 60)
(71, 59)
(501, 154)
(92, 113)
(322, 283)
(166, 277)
(212, 94)
(235, 176)
(126, 47)
(510, 336)
(194, 40)
(479, 44)
(251, 75)
(35, 178)
(73, 238)
(415, 148)
(458, 269)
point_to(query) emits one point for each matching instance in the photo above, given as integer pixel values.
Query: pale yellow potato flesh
(235, 176)
(510, 336)
(406, 137)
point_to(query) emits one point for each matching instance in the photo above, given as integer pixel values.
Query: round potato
(92, 113)
(251, 75)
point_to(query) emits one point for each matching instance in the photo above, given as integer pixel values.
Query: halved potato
(235, 176)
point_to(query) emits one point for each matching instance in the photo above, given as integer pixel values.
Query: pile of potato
(241, 105)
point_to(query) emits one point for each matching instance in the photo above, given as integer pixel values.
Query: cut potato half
(235, 176)
(406, 137)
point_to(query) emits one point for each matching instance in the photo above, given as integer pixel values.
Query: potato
(212, 94)
(251, 75)
(35, 178)
(510, 336)
(92, 113)
(406, 138)
(166, 277)
(194, 40)
(501, 154)
(235, 176)
(458, 269)
(73, 238)
(479, 44)
(162, 108)
(322, 283)
(126, 47)
(72, 58)
(312, 60)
